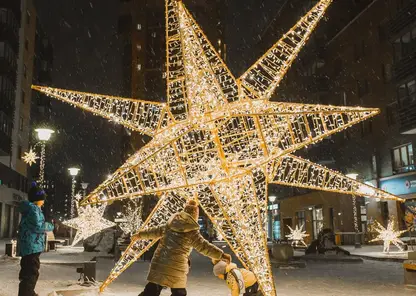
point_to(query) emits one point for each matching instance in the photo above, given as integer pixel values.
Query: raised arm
(151, 233)
(206, 248)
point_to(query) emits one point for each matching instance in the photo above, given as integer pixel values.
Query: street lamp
(84, 187)
(43, 135)
(354, 210)
(73, 172)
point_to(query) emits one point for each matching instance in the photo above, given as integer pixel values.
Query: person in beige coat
(169, 266)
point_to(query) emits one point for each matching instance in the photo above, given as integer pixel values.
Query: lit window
(139, 47)
(403, 159)
(154, 34)
(139, 67)
(139, 27)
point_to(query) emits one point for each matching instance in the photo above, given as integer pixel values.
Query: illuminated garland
(219, 138)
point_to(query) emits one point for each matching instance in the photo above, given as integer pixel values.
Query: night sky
(87, 57)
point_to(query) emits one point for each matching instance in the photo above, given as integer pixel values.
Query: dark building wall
(9, 51)
(352, 60)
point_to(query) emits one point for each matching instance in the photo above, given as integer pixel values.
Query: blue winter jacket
(32, 229)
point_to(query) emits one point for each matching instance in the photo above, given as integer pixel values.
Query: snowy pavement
(368, 278)
(372, 252)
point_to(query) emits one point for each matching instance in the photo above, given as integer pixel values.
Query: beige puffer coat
(169, 265)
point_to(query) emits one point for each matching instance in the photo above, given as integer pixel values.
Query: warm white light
(73, 171)
(30, 157)
(389, 235)
(44, 134)
(88, 222)
(221, 139)
(297, 235)
(272, 198)
(133, 217)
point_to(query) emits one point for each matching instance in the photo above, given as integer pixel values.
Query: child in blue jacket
(32, 231)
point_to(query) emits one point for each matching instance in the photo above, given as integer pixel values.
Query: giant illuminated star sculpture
(89, 222)
(220, 138)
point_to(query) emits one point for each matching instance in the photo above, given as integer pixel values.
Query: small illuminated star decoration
(133, 216)
(220, 138)
(297, 235)
(88, 222)
(30, 157)
(389, 235)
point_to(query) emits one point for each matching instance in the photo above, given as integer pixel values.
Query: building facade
(362, 54)
(17, 42)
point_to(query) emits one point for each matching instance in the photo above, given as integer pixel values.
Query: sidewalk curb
(399, 260)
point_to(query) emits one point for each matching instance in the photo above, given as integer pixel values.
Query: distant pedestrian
(239, 280)
(170, 265)
(32, 230)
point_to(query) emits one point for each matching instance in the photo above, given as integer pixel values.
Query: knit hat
(36, 193)
(192, 209)
(220, 268)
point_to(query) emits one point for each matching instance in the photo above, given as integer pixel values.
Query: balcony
(407, 115)
(405, 67)
(404, 18)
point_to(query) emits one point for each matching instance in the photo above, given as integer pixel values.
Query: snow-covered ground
(369, 278)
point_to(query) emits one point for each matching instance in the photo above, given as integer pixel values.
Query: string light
(30, 157)
(219, 138)
(297, 235)
(389, 235)
(132, 216)
(42, 162)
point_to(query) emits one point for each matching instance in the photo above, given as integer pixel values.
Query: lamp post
(84, 187)
(357, 239)
(272, 199)
(73, 172)
(44, 134)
